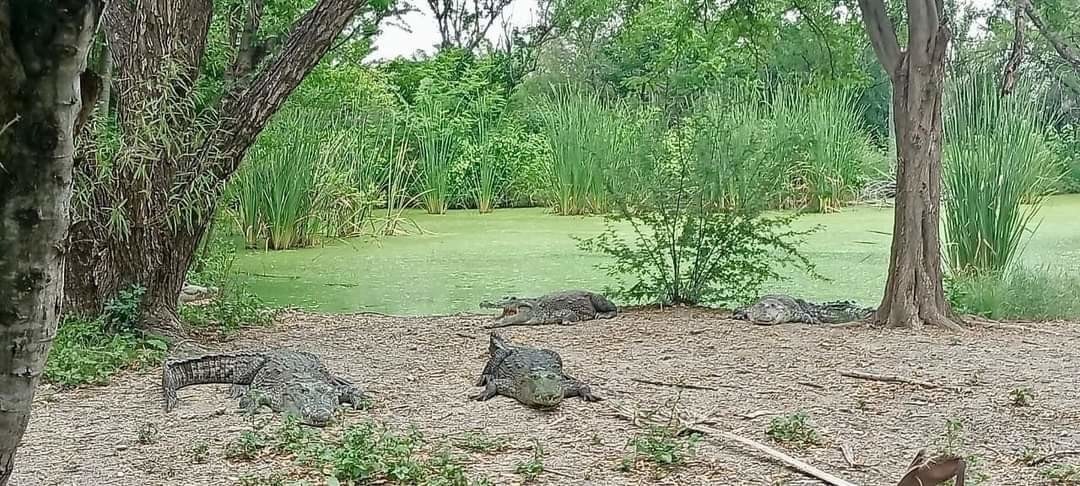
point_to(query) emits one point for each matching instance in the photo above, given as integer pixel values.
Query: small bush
(684, 249)
(1023, 293)
(90, 351)
(480, 442)
(234, 306)
(531, 469)
(1021, 397)
(1062, 474)
(247, 446)
(795, 430)
(661, 447)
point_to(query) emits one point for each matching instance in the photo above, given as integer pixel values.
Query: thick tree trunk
(170, 183)
(914, 294)
(43, 52)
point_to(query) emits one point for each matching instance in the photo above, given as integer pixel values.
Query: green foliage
(795, 430)
(481, 442)
(1021, 397)
(582, 135)
(247, 446)
(995, 160)
(686, 250)
(1021, 293)
(661, 446)
(297, 191)
(233, 306)
(952, 441)
(89, 351)
(1061, 474)
(366, 453)
(531, 469)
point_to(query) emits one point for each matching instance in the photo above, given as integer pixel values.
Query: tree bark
(43, 53)
(914, 294)
(169, 182)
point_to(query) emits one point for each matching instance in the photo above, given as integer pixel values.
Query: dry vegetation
(420, 371)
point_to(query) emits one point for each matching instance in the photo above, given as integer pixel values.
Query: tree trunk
(106, 81)
(169, 181)
(914, 293)
(43, 53)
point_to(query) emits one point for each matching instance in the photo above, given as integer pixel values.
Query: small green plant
(795, 430)
(200, 453)
(662, 447)
(1063, 474)
(233, 307)
(247, 446)
(1029, 455)
(90, 351)
(147, 434)
(1021, 397)
(952, 442)
(272, 479)
(534, 467)
(481, 442)
(305, 443)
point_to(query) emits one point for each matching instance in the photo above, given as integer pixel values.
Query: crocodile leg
(348, 393)
(576, 388)
(606, 315)
(490, 390)
(566, 317)
(237, 391)
(253, 400)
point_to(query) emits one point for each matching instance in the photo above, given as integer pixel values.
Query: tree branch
(246, 113)
(882, 34)
(1010, 72)
(1064, 50)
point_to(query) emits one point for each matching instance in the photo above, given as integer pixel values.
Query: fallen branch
(675, 385)
(1011, 327)
(1054, 455)
(695, 424)
(890, 378)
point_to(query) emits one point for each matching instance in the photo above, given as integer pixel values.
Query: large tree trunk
(43, 51)
(914, 294)
(169, 180)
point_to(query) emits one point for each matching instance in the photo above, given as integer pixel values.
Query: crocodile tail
(232, 368)
(601, 303)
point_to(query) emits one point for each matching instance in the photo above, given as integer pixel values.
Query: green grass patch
(1023, 293)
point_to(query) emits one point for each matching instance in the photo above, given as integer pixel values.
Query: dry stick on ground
(695, 424)
(675, 385)
(1012, 327)
(1053, 455)
(890, 378)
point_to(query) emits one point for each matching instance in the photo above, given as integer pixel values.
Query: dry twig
(1054, 455)
(890, 378)
(675, 385)
(685, 422)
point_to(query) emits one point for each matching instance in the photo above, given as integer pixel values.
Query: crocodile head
(769, 311)
(540, 388)
(312, 402)
(515, 312)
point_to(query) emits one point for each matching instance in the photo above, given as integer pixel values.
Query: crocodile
(529, 375)
(779, 309)
(555, 308)
(291, 382)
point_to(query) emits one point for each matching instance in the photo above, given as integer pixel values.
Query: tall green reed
(438, 146)
(580, 130)
(731, 145)
(995, 159)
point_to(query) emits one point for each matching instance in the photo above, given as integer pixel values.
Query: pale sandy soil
(420, 372)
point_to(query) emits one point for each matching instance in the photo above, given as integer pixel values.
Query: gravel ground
(420, 372)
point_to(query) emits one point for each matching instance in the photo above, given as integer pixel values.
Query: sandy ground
(420, 372)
